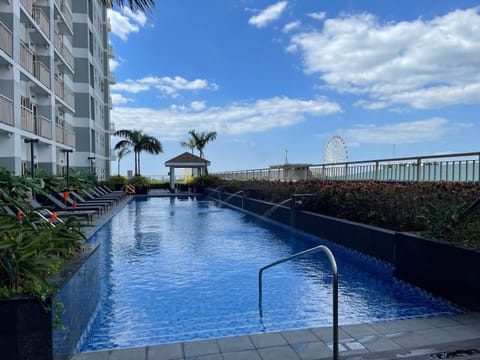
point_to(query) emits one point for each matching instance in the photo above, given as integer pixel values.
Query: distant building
(54, 85)
(290, 172)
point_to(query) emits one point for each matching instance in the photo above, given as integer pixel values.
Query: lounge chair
(81, 200)
(83, 214)
(59, 205)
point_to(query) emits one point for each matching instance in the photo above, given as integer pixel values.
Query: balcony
(60, 137)
(44, 127)
(6, 110)
(108, 25)
(64, 52)
(109, 51)
(70, 138)
(36, 68)
(28, 121)
(42, 73)
(28, 6)
(6, 42)
(26, 57)
(111, 78)
(66, 14)
(64, 92)
(42, 20)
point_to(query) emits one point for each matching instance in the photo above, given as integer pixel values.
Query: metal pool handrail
(333, 264)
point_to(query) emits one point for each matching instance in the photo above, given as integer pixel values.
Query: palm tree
(142, 5)
(201, 139)
(138, 141)
(120, 154)
(188, 144)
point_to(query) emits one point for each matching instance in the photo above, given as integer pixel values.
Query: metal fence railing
(459, 167)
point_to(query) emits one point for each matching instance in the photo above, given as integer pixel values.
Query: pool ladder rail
(333, 264)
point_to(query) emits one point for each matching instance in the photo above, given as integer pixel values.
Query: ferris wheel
(336, 151)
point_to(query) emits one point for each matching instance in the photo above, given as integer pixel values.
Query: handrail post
(333, 264)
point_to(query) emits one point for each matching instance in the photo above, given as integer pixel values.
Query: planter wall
(450, 271)
(26, 329)
(369, 240)
(444, 269)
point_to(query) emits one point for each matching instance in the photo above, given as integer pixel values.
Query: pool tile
(278, 353)
(268, 340)
(416, 324)
(299, 336)
(312, 350)
(242, 355)
(237, 343)
(138, 353)
(165, 352)
(202, 347)
(422, 338)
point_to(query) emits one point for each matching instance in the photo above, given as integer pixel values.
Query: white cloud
(125, 22)
(424, 64)
(113, 64)
(198, 105)
(119, 99)
(167, 85)
(236, 118)
(412, 132)
(320, 15)
(271, 13)
(291, 26)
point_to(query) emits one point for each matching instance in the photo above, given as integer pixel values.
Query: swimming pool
(181, 269)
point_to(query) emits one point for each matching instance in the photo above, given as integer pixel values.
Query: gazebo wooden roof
(187, 160)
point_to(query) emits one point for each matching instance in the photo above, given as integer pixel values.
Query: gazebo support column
(172, 179)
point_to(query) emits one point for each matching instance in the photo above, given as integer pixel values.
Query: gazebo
(186, 160)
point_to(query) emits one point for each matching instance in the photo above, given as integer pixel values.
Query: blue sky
(391, 78)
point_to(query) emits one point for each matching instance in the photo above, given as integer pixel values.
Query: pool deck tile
(166, 352)
(410, 339)
(242, 355)
(201, 347)
(233, 344)
(268, 340)
(299, 336)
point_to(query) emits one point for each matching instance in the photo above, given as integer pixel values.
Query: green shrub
(139, 180)
(204, 181)
(32, 249)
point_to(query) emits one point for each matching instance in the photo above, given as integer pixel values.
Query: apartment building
(54, 86)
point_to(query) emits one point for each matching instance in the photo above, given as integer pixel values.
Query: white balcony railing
(26, 57)
(6, 110)
(42, 73)
(68, 56)
(69, 97)
(66, 13)
(59, 87)
(28, 5)
(6, 43)
(28, 121)
(45, 127)
(42, 20)
(70, 138)
(111, 78)
(60, 137)
(63, 50)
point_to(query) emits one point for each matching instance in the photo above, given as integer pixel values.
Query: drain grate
(453, 354)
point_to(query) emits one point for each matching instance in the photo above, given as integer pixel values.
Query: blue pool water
(183, 269)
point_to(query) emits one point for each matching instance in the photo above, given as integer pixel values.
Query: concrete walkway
(411, 339)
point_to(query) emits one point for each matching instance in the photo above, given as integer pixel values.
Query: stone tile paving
(410, 339)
